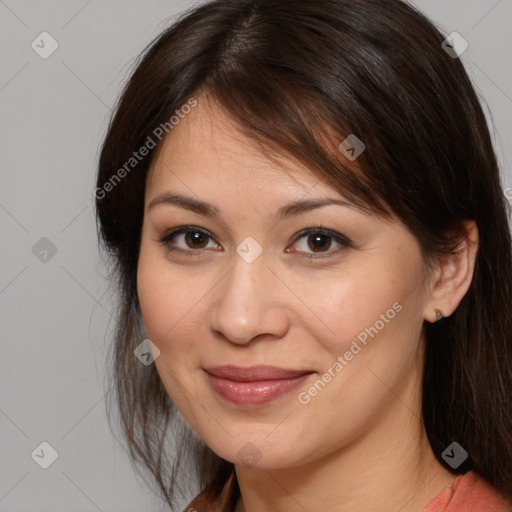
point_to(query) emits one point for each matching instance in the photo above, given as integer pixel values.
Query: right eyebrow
(188, 203)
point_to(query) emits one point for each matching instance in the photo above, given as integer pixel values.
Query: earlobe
(454, 275)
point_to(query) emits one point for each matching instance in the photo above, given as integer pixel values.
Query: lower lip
(254, 393)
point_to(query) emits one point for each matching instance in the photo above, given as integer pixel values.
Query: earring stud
(439, 314)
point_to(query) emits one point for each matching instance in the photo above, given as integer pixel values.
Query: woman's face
(257, 284)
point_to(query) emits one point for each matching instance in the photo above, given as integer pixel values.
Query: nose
(249, 303)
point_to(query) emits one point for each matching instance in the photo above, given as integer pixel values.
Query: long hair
(299, 77)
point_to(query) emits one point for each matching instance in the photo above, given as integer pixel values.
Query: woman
(304, 212)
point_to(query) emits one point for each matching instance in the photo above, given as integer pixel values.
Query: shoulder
(469, 493)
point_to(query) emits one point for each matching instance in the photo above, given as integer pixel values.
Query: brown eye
(187, 239)
(196, 239)
(320, 241)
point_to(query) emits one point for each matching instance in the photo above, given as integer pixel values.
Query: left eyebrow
(209, 210)
(306, 205)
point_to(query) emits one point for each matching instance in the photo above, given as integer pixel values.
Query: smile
(254, 386)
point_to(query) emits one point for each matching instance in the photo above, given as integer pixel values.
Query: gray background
(54, 313)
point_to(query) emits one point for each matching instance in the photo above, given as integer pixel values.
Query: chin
(258, 452)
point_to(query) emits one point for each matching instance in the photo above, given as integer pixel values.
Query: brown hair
(286, 71)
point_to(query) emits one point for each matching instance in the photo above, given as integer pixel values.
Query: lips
(254, 385)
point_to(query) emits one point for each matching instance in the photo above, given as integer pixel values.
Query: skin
(359, 444)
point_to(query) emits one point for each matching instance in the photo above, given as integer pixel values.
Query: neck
(390, 467)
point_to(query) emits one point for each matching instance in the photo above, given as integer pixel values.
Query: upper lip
(254, 373)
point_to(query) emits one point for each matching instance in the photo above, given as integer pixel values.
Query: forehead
(207, 152)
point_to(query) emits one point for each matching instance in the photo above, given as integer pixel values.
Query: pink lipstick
(254, 385)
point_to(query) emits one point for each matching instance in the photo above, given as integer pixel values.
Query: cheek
(374, 325)
(374, 310)
(158, 296)
(168, 304)
(173, 301)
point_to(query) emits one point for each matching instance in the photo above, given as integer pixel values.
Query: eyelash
(337, 237)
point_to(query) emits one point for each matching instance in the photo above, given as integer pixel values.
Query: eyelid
(183, 230)
(337, 237)
(324, 231)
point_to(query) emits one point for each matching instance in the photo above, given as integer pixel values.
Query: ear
(453, 275)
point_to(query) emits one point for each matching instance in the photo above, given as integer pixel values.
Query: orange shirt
(468, 493)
